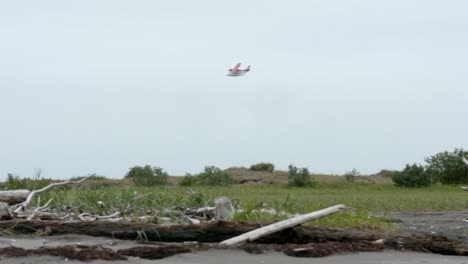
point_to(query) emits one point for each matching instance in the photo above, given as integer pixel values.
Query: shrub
(96, 177)
(211, 176)
(188, 180)
(350, 176)
(412, 176)
(448, 167)
(214, 176)
(147, 176)
(269, 167)
(299, 177)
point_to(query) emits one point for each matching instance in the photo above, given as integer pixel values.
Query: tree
(412, 176)
(299, 177)
(147, 176)
(448, 167)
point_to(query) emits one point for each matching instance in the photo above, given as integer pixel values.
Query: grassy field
(369, 203)
(370, 198)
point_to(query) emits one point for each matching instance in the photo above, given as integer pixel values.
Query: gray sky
(101, 86)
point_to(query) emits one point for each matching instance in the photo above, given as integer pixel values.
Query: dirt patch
(154, 252)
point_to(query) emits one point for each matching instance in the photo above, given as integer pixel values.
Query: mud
(85, 248)
(151, 252)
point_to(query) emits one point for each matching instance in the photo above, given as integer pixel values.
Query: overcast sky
(101, 86)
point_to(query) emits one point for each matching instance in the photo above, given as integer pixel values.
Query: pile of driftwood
(288, 236)
(16, 203)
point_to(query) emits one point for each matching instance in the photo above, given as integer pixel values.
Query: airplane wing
(236, 68)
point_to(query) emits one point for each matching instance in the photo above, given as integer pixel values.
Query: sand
(237, 257)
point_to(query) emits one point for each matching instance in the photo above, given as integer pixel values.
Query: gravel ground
(453, 225)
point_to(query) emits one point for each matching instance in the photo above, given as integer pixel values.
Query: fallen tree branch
(266, 230)
(22, 206)
(108, 216)
(465, 161)
(38, 209)
(90, 217)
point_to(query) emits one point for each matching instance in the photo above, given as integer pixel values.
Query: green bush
(412, 176)
(263, 166)
(213, 176)
(188, 180)
(96, 177)
(448, 167)
(350, 176)
(299, 177)
(147, 176)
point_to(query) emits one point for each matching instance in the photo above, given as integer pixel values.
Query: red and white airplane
(235, 72)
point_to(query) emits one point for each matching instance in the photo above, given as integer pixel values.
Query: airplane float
(236, 71)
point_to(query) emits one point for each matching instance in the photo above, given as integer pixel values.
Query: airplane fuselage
(237, 73)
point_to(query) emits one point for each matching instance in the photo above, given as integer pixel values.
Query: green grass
(366, 201)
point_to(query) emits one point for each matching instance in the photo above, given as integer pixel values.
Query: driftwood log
(14, 196)
(273, 228)
(215, 232)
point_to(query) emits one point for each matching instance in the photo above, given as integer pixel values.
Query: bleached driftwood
(465, 161)
(465, 188)
(4, 211)
(14, 196)
(22, 206)
(90, 217)
(38, 209)
(269, 229)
